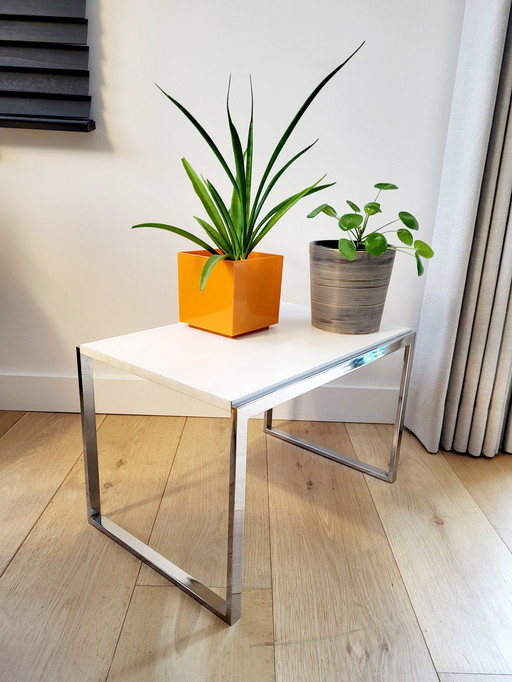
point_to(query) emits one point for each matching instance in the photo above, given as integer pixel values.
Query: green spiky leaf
(256, 209)
(202, 132)
(236, 213)
(231, 233)
(182, 233)
(202, 192)
(208, 267)
(283, 207)
(295, 121)
(238, 154)
(214, 235)
(248, 162)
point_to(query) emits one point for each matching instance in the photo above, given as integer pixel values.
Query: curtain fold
(480, 375)
(461, 379)
(507, 442)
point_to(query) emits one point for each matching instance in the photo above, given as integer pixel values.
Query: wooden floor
(347, 578)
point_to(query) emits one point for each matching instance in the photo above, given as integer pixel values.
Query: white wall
(71, 270)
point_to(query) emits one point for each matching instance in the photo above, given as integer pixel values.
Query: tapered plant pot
(239, 296)
(348, 297)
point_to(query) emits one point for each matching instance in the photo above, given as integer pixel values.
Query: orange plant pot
(239, 296)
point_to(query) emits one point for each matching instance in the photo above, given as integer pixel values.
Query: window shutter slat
(45, 81)
(44, 8)
(51, 30)
(33, 55)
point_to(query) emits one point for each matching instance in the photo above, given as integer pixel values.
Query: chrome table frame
(229, 609)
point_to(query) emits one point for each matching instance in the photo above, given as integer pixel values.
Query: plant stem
(386, 224)
(403, 249)
(362, 230)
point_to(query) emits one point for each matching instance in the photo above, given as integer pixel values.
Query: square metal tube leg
(228, 609)
(237, 486)
(388, 475)
(88, 412)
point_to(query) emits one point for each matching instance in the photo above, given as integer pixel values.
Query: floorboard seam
(48, 503)
(413, 610)
(496, 530)
(266, 437)
(13, 424)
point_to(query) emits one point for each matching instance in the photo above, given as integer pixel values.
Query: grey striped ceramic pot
(347, 297)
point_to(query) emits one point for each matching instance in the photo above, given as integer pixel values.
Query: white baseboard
(131, 395)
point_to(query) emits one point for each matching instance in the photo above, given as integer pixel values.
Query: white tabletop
(222, 371)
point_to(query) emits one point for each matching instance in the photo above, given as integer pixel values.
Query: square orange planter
(239, 296)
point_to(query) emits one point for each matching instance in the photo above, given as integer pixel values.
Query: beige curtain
(460, 396)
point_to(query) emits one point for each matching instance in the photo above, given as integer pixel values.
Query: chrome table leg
(88, 412)
(237, 476)
(228, 609)
(388, 475)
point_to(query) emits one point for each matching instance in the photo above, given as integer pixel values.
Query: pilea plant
(375, 242)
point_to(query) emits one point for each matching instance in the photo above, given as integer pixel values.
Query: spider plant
(355, 225)
(236, 227)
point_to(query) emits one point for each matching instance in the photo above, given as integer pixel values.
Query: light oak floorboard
(457, 570)
(489, 480)
(169, 637)
(68, 597)
(456, 677)
(8, 419)
(36, 454)
(341, 611)
(191, 527)
(136, 455)
(64, 596)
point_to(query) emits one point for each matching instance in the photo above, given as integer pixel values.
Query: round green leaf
(375, 243)
(408, 220)
(350, 221)
(372, 208)
(347, 249)
(419, 265)
(405, 236)
(330, 211)
(353, 206)
(385, 185)
(324, 208)
(423, 249)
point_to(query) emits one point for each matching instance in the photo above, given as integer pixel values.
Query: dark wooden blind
(44, 57)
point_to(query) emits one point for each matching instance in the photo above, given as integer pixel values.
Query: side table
(246, 376)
